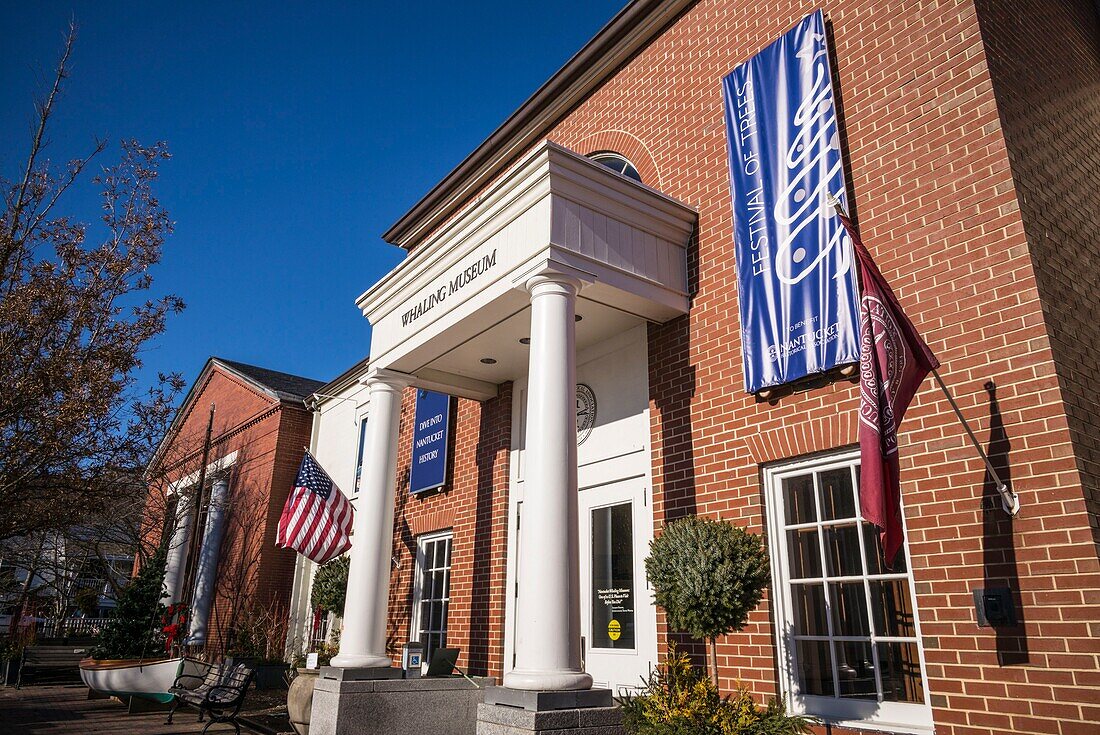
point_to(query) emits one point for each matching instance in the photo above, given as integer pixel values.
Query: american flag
(316, 520)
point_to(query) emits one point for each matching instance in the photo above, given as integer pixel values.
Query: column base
(438, 705)
(595, 719)
(360, 673)
(547, 681)
(545, 700)
(360, 661)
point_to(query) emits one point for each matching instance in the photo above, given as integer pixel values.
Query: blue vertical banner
(797, 286)
(431, 436)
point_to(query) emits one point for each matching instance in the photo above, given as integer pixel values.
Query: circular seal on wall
(586, 412)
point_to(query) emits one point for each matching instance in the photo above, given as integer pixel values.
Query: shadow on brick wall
(998, 548)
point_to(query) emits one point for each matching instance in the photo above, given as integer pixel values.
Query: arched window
(618, 164)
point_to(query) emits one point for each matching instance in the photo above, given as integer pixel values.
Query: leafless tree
(74, 317)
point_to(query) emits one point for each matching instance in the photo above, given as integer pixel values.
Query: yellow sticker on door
(614, 630)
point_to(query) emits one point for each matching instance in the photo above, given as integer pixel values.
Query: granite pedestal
(520, 712)
(347, 702)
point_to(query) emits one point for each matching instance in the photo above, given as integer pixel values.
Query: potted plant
(299, 697)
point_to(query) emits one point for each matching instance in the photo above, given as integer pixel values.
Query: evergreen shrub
(330, 585)
(680, 700)
(134, 631)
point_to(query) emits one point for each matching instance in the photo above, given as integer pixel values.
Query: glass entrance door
(617, 613)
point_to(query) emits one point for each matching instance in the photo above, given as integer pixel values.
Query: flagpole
(1010, 500)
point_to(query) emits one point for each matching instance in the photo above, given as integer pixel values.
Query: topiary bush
(680, 700)
(708, 575)
(330, 585)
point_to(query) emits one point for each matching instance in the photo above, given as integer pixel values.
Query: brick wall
(474, 504)
(268, 438)
(1048, 96)
(936, 202)
(937, 184)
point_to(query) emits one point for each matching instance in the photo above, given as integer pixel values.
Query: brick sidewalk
(63, 709)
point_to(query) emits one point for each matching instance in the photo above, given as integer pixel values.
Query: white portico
(493, 296)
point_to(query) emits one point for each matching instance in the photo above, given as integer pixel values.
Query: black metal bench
(57, 657)
(220, 693)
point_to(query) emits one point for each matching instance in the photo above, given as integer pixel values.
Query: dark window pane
(442, 627)
(837, 498)
(808, 601)
(441, 559)
(425, 616)
(447, 584)
(798, 498)
(437, 616)
(901, 679)
(876, 564)
(856, 670)
(437, 584)
(842, 551)
(803, 553)
(425, 584)
(815, 668)
(849, 609)
(890, 601)
(612, 577)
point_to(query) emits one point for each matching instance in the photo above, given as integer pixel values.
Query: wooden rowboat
(148, 679)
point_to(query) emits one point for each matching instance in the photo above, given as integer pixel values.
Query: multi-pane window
(848, 633)
(362, 448)
(432, 592)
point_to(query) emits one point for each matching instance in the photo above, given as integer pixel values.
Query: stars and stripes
(316, 520)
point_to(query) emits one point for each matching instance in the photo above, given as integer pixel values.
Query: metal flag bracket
(1010, 500)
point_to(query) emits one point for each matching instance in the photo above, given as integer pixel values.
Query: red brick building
(260, 428)
(972, 145)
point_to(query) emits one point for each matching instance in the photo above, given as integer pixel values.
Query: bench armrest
(181, 677)
(238, 690)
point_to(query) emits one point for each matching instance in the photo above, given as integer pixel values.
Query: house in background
(235, 578)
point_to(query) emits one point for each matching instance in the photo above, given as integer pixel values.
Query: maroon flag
(893, 361)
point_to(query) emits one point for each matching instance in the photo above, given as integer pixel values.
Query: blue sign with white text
(430, 441)
(797, 285)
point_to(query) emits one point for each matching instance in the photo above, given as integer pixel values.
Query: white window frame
(422, 542)
(854, 713)
(360, 449)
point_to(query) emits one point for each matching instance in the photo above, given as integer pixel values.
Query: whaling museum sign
(465, 277)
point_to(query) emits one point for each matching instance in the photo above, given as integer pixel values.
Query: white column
(177, 549)
(363, 640)
(548, 625)
(206, 575)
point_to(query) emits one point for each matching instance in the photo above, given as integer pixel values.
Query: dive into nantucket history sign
(430, 441)
(796, 281)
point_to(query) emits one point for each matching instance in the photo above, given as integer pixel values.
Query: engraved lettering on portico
(453, 285)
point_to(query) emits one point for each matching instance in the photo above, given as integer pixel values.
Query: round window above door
(618, 164)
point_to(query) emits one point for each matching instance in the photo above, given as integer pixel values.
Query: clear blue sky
(299, 133)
